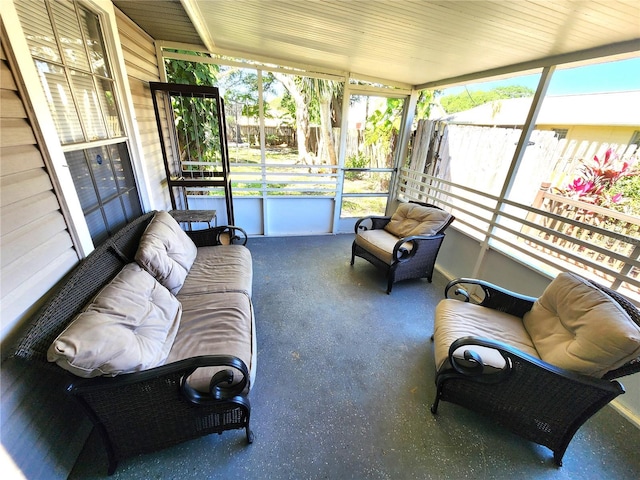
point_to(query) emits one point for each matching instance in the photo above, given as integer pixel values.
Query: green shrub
(355, 161)
(273, 139)
(628, 190)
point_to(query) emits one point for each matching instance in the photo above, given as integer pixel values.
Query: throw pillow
(166, 251)
(129, 326)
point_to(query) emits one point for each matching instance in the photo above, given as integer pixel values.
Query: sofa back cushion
(413, 219)
(576, 326)
(166, 251)
(129, 326)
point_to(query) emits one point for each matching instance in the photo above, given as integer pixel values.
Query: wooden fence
(603, 241)
(596, 235)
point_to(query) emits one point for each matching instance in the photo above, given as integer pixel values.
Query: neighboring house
(599, 117)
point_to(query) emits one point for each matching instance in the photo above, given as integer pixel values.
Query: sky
(618, 76)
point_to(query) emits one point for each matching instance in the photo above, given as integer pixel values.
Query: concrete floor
(345, 380)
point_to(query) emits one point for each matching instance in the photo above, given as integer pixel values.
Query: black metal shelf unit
(192, 129)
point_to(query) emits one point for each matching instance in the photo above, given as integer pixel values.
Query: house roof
(424, 43)
(614, 109)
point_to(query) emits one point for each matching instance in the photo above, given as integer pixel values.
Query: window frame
(48, 141)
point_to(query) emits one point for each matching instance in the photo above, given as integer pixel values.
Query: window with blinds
(67, 45)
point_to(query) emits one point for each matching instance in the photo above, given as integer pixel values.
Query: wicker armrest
(221, 387)
(222, 235)
(493, 296)
(371, 222)
(402, 253)
(473, 367)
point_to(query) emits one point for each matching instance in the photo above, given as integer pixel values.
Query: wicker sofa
(540, 367)
(156, 334)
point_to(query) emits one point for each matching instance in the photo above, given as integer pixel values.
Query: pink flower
(616, 198)
(580, 186)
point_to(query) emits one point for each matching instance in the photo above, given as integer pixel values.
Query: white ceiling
(413, 42)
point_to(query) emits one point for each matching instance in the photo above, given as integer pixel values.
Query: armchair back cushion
(413, 219)
(129, 326)
(166, 251)
(576, 326)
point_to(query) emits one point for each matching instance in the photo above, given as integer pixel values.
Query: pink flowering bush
(595, 180)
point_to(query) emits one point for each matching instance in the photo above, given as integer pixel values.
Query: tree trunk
(325, 128)
(302, 114)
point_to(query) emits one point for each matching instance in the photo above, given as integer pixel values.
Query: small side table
(198, 216)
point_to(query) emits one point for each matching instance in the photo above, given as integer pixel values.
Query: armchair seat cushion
(455, 319)
(380, 243)
(414, 219)
(591, 334)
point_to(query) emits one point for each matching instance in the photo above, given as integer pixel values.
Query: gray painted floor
(345, 381)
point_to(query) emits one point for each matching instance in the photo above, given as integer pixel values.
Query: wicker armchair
(517, 389)
(404, 245)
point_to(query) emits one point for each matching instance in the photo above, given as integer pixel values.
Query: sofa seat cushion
(223, 268)
(455, 319)
(166, 251)
(413, 219)
(591, 334)
(215, 324)
(380, 243)
(129, 326)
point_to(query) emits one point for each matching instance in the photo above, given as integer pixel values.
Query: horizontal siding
(29, 399)
(20, 158)
(21, 241)
(27, 212)
(46, 429)
(142, 68)
(23, 185)
(15, 132)
(6, 78)
(12, 105)
(28, 266)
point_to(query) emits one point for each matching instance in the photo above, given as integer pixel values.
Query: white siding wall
(141, 68)
(37, 250)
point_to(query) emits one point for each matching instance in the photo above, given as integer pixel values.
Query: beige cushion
(129, 326)
(166, 251)
(455, 319)
(578, 327)
(380, 243)
(413, 219)
(216, 324)
(223, 268)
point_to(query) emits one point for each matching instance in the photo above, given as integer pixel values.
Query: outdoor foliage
(355, 161)
(629, 189)
(607, 182)
(197, 130)
(191, 73)
(469, 99)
